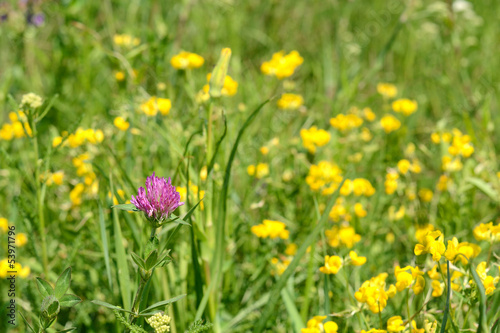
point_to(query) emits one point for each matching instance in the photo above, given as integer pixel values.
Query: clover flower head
(158, 200)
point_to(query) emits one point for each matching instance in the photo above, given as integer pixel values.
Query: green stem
(304, 311)
(408, 308)
(41, 216)
(447, 308)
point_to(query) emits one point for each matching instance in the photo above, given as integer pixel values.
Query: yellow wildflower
(186, 60)
(313, 138)
(403, 166)
(271, 229)
(346, 122)
(121, 123)
(21, 239)
(18, 270)
(395, 324)
(356, 260)
(119, 76)
(4, 224)
(390, 123)
(332, 265)
(281, 65)
(433, 244)
(290, 102)
(259, 171)
(387, 90)
(425, 195)
(404, 106)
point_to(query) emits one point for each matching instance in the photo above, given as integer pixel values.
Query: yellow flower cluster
(154, 104)
(4, 224)
(280, 265)
(80, 137)
(339, 212)
(230, 88)
(373, 293)
(332, 265)
(195, 194)
(358, 187)
(404, 106)
(313, 138)
(316, 325)
(345, 235)
(325, 176)
(345, 122)
(443, 183)
(186, 60)
(18, 128)
(90, 184)
(21, 239)
(125, 40)
(56, 178)
(437, 285)
(18, 270)
(258, 171)
(487, 280)
(487, 232)
(431, 243)
(391, 182)
(395, 324)
(412, 279)
(281, 65)
(121, 123)
(405, 165)
(390, 123)
(461, 144)
(271, 229)
(290, 102)
(387, 90)
(461, 251)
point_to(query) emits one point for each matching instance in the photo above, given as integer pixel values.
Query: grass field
(336, 160)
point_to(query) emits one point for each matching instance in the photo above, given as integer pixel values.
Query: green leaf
(62, 284)
(105, 247)
(151, 260)
(483, 326)
(50, 307)
(293, 313)
(28, 324)
(160, 304)
(483, 187)
(69, 300)
(110, 306)
(121, 258)
(138, 260)
(127, 207)
(67, 330)
(44, 287)
(162, 259)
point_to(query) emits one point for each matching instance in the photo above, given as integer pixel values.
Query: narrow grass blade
(448, 296)
(160, 304)
(121, 259)
(105, 247)
(483, 326)
(293, 313)
(217, 146)
(110, 306)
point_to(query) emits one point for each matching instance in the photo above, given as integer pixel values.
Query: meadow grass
(441, 54)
